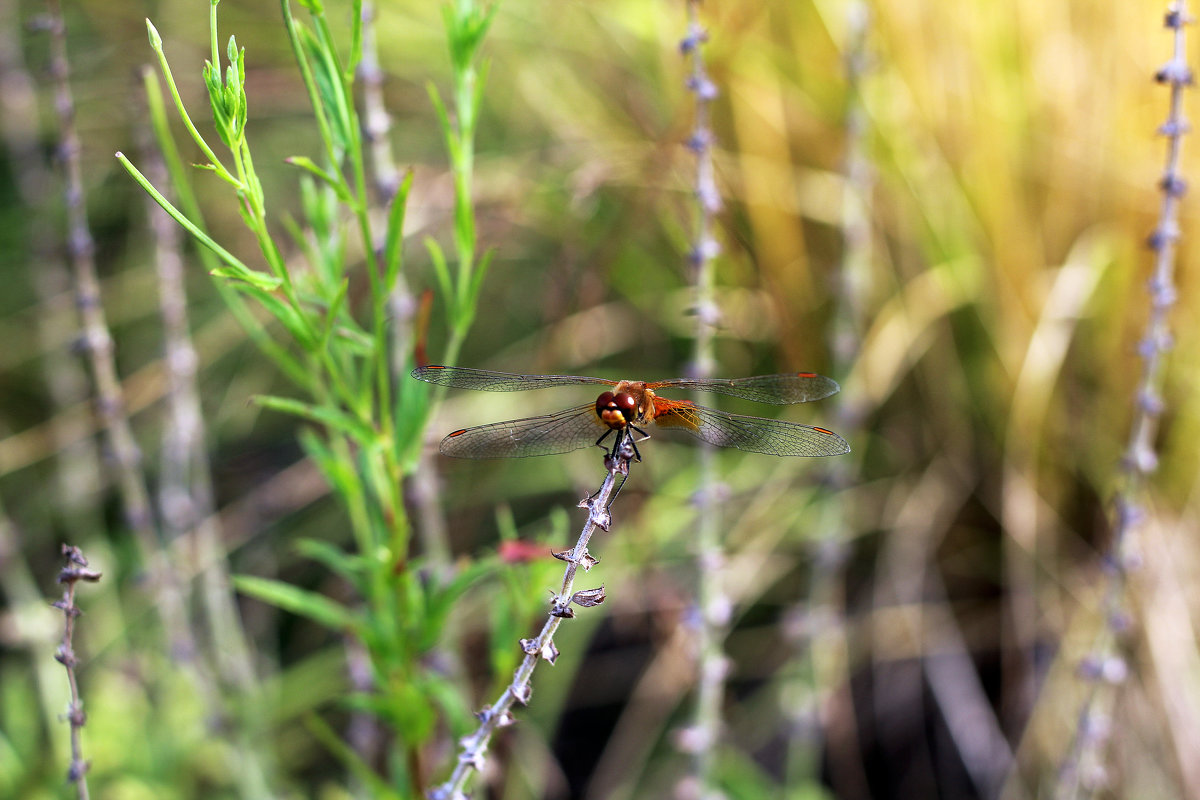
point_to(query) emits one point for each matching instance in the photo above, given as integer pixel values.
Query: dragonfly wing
(753, 434)
(791, 387)
(561, 432)
(488, 381)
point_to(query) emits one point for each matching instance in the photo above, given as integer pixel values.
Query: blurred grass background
(897, 613)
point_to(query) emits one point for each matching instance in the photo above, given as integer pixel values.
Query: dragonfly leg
(605, 435)
(633, 442)
(624, 439)
(624, 450)
(607, 456)
(617, 491)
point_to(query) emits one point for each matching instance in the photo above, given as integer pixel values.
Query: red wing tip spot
(434, 366)
(806, 374)
(464, 430)
(818, 430)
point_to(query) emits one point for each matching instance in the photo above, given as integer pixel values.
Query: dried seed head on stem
(1082, 772)
(700, 737)
(473, 752)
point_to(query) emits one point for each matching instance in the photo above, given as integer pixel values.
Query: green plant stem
(357, 196)
(346, 365)
(200, 236)
(165, 66)
(193, 221)
(214, 42)
(310, 84)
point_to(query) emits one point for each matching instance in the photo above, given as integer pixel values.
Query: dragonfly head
(617, 411)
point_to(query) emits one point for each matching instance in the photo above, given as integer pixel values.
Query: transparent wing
(488, 381)
(792, 387)
(561, 432)
(753, 434)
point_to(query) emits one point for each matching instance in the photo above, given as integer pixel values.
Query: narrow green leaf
(253, 184)
(246, 209)
(332, 314)
(440, 602)
(439, 107)
(485, 67)
(376, 786)
(360, 431)
(295, 36)
(308, 165)
(411, 593)
(299, 237)
(337, 473)
(222, 174)
(254, 278)
(350, 566)
(477, 277)
(329, 88)
(453, 702)
(295, 323)
(410, 707)
(200, 236)
(453, 36)
(181, 181)
(295, 600)
(354, 340)
(481, 22)
(393, 249)
(356, 39)
(442, 271)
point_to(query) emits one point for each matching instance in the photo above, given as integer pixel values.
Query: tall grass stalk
(1082, 772)
(189, 521)
(821, 663)
(77, 470)
(377, 121)
(714, 605)
(467, 23)
(96, 342)
(364, 733)
(185, 493)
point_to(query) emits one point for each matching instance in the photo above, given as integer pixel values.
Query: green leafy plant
(366, 425)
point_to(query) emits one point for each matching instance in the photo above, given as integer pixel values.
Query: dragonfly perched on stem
(626, 407)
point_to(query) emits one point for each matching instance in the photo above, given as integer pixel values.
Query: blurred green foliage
(992, 304)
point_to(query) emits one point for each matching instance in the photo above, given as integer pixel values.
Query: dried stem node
(69, 576)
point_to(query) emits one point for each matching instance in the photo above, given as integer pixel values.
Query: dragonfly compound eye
(616, 410)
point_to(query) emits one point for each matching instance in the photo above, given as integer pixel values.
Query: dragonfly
(627, 407)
